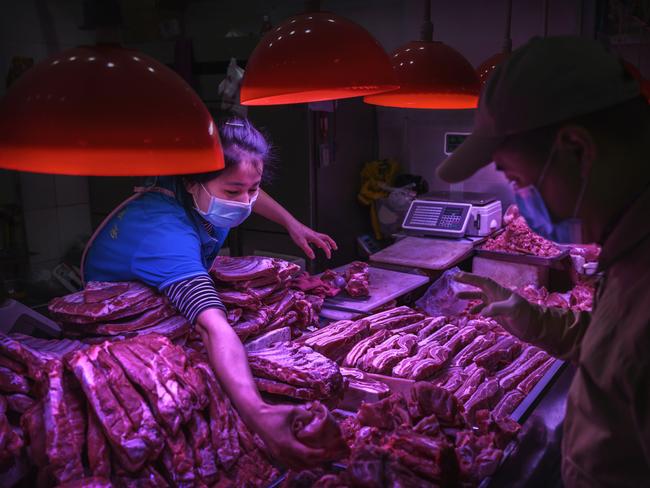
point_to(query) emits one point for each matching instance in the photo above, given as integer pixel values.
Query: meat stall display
(134, 412)
(129, 398)
(422, 438)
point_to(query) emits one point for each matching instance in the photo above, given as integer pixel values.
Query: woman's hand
(274, 425)
(304, 237)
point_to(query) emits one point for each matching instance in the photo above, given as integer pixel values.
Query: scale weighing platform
(442, 229)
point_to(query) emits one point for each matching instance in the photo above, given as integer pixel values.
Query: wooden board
(385, 285)
(425, 252)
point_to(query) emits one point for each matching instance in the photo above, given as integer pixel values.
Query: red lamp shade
(313, 57)
(486, 68)
(106, 110)
(431, 75)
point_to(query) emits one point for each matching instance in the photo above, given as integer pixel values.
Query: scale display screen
(437, 218)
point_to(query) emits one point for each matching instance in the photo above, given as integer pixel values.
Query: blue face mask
(226, 213)
(533, 209)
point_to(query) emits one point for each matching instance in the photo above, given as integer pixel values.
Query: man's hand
(304, 237)
(514, 313)
(275, 426)
(495, 299)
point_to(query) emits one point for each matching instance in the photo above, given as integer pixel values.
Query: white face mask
(226, 213)
(533, 208)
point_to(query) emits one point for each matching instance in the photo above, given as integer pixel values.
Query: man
(565, 123)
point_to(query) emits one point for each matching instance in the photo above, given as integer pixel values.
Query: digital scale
(441, 230)
(453, 214)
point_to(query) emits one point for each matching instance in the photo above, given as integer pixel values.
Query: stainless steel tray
(558, 262)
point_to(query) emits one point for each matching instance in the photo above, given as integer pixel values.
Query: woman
(167, 237)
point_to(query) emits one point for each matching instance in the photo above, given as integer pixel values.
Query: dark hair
(239, 138)
(626, 122)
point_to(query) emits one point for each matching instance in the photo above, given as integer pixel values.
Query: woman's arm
(273, 423)
(302, 235)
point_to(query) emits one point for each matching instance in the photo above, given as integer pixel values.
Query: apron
(138, 192)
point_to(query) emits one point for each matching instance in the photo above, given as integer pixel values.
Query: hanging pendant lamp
(486, 68)
(313, 57)
(106, 111)
(430, 74)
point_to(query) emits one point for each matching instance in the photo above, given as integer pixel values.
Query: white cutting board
(385, 285)
(425, 252)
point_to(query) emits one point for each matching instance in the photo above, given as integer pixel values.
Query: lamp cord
(507, 41)
(426, 31)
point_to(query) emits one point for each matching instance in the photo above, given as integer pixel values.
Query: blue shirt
(153, 239)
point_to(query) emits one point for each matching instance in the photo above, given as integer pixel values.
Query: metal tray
(558, 262)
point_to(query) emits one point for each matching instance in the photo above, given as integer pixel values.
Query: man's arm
(558, 331)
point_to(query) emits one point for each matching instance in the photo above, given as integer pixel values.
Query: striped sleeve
(193, 296)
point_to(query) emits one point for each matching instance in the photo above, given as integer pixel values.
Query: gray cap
(544, 82)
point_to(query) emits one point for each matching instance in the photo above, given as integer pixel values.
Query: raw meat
(113, 413)
(227, 269)
(98, 451)
(336, 339)
(381, 360)
(501, 353)
(518, 238)
(359, 350)
(357, 380)
(533, 378)
(19, 403)
(11, 382)
(198, 434)
(74, 309)
(148, 318)
(508, 403)
(510, 380)
(64, 426)
(298, 366)
(319, 429)
(357, 280)
(479, 344)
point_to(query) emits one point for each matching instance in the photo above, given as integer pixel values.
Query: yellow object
(376, 177)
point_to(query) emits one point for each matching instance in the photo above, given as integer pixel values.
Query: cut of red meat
(336, 339)
(359, 350)
(198, 434)
(141, 372)
(130, 449)
(223, 425)
(73, 308)
(286, 390)
(357, 279)
(64, 425)
(508, 403)
(178, 461)
(527, 385)
(319, 429)
(241, 299)
(228, 269)
(101, 291)
(148, 318)
(357, 380)
(15, 366)
(512, 379)
(12, 382)
(19, 402)
(298, 366)
(501, 353)
(479, 344)
(90, 482)
(98, 451)
(172, 328)
(485, 397)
